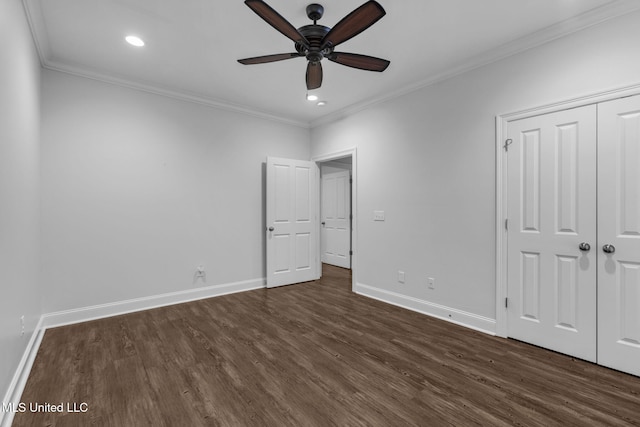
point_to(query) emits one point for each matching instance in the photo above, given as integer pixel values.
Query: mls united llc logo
(69, 407)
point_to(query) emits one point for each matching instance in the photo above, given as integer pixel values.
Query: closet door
(552, 231)
(619, 234)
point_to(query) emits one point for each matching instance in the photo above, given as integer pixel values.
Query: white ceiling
(192, 46)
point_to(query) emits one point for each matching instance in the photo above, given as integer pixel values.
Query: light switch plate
(378, 215)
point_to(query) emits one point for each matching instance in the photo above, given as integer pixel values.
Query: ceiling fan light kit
(316, 42)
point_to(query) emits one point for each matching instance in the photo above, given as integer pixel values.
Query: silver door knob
(271, 228)
(584, 246)
(609, 249)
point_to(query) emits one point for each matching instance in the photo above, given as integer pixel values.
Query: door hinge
(506, 303)
(506, 224)
(350, 180)
(350, 252)
(507, 143)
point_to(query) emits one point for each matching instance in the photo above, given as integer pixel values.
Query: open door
(292, 221)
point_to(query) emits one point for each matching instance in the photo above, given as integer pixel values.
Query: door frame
(502, 123)
(353, 153)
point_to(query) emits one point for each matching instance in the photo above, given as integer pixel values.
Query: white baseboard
(459, 317)
(12, 397)
(85, 314)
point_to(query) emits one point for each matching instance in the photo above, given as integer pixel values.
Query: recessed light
(312, 97)
(321, 103)
(134, 41)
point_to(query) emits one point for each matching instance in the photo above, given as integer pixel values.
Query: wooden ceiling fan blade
(314, 75)
(268, 58)
(362, 62)
(274, 19)
(354, 23)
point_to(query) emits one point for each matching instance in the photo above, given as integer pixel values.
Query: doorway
(292, 218)
(335, 212)
(344, 160)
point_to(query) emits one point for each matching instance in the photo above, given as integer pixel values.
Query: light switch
(378, 215)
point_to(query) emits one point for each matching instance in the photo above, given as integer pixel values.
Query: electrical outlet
(400, 276)
(200, 272)
(431, 282)
(22, 326)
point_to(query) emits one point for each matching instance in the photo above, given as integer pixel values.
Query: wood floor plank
(313, 354)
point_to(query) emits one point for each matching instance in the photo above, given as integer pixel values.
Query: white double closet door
(574, 232)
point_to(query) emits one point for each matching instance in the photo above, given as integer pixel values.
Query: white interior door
(619, 226)
(336, 222)
(551, 212)
(292, 221)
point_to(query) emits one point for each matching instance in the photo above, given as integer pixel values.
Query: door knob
(584, 246)
(271, 228)
(323, 223)
(609, 249)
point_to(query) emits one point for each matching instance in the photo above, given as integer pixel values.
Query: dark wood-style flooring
(313, 354)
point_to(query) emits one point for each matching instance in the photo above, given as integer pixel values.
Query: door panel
(566, 294)
(551, 199)
(619, 225)
(530, 197)
(292, 225)
(336, 212)
(530, 286)
(567, 155)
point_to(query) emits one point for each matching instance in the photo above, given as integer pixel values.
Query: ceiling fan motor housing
(314, 34)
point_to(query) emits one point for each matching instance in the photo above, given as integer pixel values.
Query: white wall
(140, 189)
(428, 160)
(19, 194)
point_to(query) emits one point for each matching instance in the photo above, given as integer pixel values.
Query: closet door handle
(584, 247)
(609, 249)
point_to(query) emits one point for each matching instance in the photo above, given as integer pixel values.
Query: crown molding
(169, 93)
(583, 21)
(33, 12)
(38, 29)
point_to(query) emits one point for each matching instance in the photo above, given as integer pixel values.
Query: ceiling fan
(316, 42)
